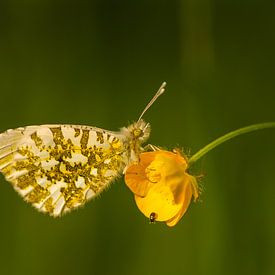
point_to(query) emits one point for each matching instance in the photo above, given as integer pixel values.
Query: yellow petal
(159, 200)
(187, 199)
(169, 163)
(135, 176)
(171, 167)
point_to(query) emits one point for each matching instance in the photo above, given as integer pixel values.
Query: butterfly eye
(138, 133)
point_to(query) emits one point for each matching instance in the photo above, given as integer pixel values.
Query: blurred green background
(98, 63)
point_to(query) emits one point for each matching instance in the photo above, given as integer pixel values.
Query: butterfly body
(59, 167)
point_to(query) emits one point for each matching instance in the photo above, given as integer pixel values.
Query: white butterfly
(60, 167)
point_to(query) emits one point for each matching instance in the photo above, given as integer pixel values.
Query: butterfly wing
(59, 167)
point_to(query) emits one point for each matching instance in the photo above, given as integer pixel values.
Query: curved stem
(228, 136)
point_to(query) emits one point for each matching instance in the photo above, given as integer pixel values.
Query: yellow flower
(162, 187)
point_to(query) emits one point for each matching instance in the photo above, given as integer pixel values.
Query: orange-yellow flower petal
(161, 185)
(158, 200)
(135, 176)
(186, 201)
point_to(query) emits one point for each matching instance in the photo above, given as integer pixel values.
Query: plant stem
(228, 136)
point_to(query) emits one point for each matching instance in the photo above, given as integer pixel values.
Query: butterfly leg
(151, 147)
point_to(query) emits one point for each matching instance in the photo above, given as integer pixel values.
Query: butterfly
(58, 168)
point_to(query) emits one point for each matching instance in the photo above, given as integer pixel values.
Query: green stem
(228, 136)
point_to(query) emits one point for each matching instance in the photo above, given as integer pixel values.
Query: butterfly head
(138, 132)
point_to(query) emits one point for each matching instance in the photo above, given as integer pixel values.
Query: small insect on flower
(162, 187)
(153, 217)
(57, 168)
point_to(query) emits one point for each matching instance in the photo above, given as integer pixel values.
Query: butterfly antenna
(158, 93)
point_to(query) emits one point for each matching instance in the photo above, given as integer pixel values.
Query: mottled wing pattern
(59, 167)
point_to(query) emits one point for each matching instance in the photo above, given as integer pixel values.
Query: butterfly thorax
(136, 134)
